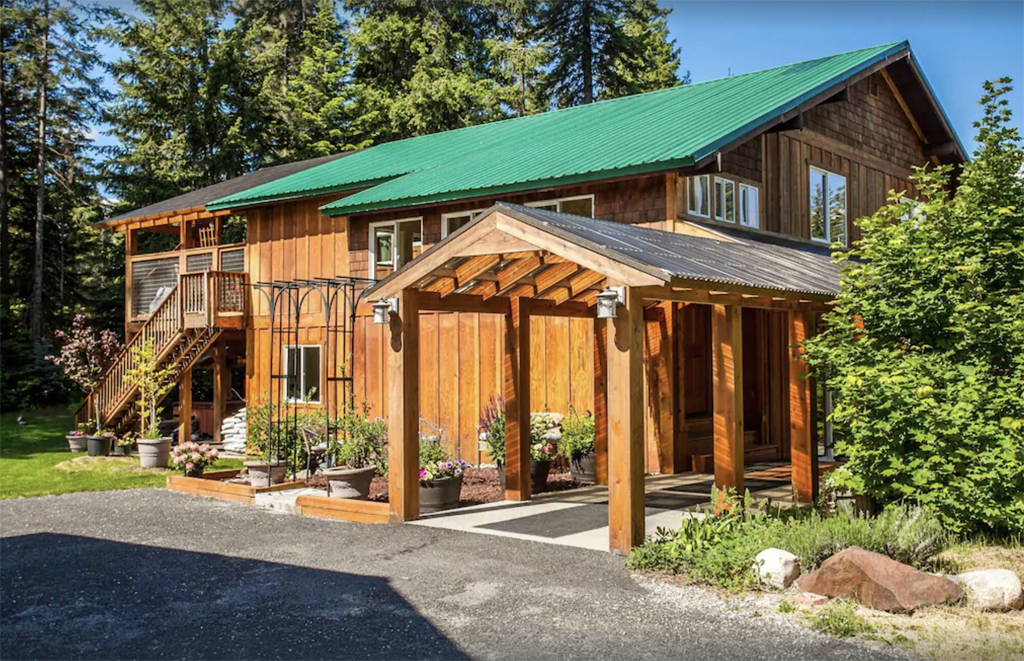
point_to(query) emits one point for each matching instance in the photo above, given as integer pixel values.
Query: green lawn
(35, 461)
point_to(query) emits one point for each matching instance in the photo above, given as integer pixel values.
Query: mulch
(479, 486)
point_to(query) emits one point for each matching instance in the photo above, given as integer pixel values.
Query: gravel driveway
(158, 575)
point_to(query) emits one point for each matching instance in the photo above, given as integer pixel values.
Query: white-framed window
(453, 221)
(302, 373)
(828, 206)
(725, 200)
(748, 206)
(581, 205)
(698, 195)
(393, 244)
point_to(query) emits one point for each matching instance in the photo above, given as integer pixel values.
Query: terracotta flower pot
(583, 468)
(440, 495)
(76, 443)
(539, 475)
(348, 482)
(257, 472)
(154, 452)
(98, 446)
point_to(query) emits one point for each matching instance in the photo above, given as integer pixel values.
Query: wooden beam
(516, 393)
(671, 201)
(403, 406)
(221, 386)
(626, 426)
(794, 124)
(548, 308)
(475, 266)
(518, 269)
(431, 301)
(185, 406)
(601, 400)
(903, 105)
(131, 248)
(727, 366)
(552, 275)
(803, 448)
(659, 344)
(771, 301)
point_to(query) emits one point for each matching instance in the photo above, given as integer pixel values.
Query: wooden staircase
(186, 323)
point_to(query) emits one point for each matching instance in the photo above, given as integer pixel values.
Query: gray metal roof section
(775, 264)
(202, 196)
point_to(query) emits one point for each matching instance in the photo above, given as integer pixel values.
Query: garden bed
(218, 484)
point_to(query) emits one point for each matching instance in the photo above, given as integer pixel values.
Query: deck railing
(150, 275)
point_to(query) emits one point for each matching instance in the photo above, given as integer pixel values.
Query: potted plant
(153, 381)
(492, 435)
(85, 356)
(357, 457)
(192, 458)
(577, 445)
(123, 445)
(268, 469)
(98, 444)
(76, 439)
(440, 478)
(544, 435)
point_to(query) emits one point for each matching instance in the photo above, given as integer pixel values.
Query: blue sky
(958, 45)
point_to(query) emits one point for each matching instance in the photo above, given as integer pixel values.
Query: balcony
(213, 273)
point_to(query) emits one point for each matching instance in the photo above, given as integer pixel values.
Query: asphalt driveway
(159, 575)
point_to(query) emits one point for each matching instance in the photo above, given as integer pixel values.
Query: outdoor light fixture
(609, 300)
(383, 309)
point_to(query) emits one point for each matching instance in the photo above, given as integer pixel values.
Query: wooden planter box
(210, 484)
(344, 509)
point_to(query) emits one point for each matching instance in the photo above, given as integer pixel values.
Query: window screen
(152, 280)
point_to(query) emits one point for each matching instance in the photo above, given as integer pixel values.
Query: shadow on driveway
(99, 599)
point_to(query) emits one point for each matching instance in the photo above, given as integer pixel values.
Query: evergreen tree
(604, 49)
(517, 58)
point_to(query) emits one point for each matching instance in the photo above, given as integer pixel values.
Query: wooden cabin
(762, 171)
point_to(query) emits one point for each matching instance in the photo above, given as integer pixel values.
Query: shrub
(924, 348)
(364, 441)
(577, 436)
(492, 422)
(839, 618)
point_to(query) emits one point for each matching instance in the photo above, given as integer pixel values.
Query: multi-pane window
(748, 206)
(698, 196)
(453, 221)
(302, 373)
(828, 206)
(725, 200)
(393, 244)
(579, 206)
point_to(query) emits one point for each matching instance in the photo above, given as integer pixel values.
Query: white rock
(991, 589)
(777, 567)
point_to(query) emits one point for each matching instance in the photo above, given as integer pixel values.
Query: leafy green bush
(492, 422)
(577, 436)
(363, 441)
(924, 349)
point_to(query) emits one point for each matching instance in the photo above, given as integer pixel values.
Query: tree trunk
(5, 228)
(36, 310)
(588, 53)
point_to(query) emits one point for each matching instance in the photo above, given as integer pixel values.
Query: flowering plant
(442, 470)
(193, 457)
(543, 451)
(127, 439)
(86, 355)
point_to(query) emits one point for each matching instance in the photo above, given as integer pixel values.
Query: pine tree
(517, 58)
(604, 49)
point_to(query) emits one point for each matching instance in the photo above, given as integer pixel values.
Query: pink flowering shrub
(192, 457)
(85, 355)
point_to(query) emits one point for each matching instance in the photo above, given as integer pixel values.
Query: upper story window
(582, 205)
(393, 244)
(302, 373)
(699, 196)
(453, 221)
(828, 206)
(725, 200)
(748, 206)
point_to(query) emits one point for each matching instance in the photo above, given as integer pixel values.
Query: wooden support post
(131, 248)
(516, 392)
(601, 400)
(671, 201)
(403, 407)
(803, 448)
(626, 426)
(727, 366)
(185, 235)
(659, 340)
(185, 406)
(221, 384)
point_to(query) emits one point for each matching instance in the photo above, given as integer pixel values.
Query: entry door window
(393, 244)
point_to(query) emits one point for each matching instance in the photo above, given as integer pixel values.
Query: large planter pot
(98, 446)
(539, 475)
(258, 476)
(76, 443)
(501, 476)
(122, 450)
(440, 495)
(583, 468)
(154, 452)
(345, 482)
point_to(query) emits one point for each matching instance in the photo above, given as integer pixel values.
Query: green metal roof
(671, 128)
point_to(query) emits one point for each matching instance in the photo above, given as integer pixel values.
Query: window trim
(302, 372)
(828, 240)
(714, 189)
(473, 213)
(572, 198)
(740, 208)
(371, 248)
(689, 210)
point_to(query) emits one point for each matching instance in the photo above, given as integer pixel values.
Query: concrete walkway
(159, 575)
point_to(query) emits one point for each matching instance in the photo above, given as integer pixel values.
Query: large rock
(777, 567)
(879, 582)
(992, 589)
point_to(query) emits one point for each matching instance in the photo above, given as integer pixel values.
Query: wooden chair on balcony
(208, 236)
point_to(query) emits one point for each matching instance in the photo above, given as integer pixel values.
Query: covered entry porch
(521, 262)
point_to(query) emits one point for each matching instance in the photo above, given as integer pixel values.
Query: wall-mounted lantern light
(383, 309)
(609, 300)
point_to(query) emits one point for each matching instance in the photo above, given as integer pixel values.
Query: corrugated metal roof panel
(655, 131)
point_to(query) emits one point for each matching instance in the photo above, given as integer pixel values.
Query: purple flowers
(435, 471)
